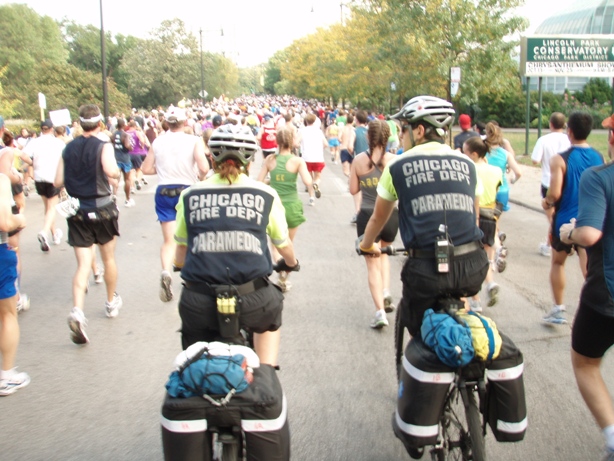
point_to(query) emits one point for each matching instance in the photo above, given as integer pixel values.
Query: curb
(530, 207)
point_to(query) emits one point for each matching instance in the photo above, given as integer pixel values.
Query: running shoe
(77, 323)
(114, 306)
(129, 203)
(132, 190)
(493, 291)
(144, 181)
(166, 289)
(316, 189)
(42, 239)
(354, 218)
(556, 316)
(380, 320)
(502, 236)
(99, 277)
(285, 286)
(23, 303)
(388, 306)
(609, 455)
(137, 185)
(26, 190)
(475, 305)
(57, 236)
(500, 261)
(312, 201)
(544, 249)
(12, 384)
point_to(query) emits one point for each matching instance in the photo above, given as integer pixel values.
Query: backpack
(485, 335)
(448, 337)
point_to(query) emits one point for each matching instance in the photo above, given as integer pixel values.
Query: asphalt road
(102, 401)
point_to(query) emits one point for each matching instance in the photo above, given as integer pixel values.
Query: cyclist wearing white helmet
(437, 190)
(222, 228)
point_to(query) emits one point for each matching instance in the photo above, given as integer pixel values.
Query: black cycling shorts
(423, 285)
(260, 312)
(592, 333)
(389, 231)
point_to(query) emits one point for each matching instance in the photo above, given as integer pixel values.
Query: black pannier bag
(423, 387)
(260, 411)
(506, 407)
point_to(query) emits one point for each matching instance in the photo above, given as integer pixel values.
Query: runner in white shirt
(45, 152)
(547, 147)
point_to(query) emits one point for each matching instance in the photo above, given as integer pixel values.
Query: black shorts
(345, 156)
(16, 189)
(423, 285)
(267, 152)
(388, 233)
(592, 333)
(46, 189)
(137, 161)
(557, 245)
(489, 229)
(260, 312)
(83, 232)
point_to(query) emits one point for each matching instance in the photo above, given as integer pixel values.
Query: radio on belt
(443, 250)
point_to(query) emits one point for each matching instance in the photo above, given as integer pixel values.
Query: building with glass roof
(592, 17)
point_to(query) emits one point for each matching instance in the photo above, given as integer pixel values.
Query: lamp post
(103, 54)
(202, 68)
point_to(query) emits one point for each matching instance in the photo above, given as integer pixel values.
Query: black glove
(281, 266)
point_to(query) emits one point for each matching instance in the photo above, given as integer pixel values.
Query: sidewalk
(526, 192)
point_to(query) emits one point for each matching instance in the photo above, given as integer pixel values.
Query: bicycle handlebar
(281, 266)
(389, 250)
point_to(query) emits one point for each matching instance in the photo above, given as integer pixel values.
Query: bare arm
(305, 176)
(508, 147)
(149, 164)
(354, 181)
(265, 168)
(584, 236)
(200, 159)
(513, 164)
(109, 164)
(557, 173)
(287, 252)
(379, 218)
(59, 174)
(8, 221)
(180, 252)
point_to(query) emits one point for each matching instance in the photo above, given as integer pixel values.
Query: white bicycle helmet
(435, 111)
(233, 141)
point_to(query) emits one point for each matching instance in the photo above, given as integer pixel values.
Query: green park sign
(570, 55)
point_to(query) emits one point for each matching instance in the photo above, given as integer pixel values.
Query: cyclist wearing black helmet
(222, 228)
(437, 190)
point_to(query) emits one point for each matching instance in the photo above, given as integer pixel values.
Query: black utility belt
(456, 251)
(172, 191)
(104, 213)
(214, 290)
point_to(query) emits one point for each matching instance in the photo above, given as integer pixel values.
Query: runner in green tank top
(284, 170)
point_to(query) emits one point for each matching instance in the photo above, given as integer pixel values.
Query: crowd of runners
(187, 143)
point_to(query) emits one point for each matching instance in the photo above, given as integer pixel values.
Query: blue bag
(209, 375)
(445, 335)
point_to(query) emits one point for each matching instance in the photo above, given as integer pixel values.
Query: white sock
(560, 307)
(386, 293)
(7, 374)
(608, 433)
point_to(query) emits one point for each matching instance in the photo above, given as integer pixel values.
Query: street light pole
(202, 70)
(103, 54)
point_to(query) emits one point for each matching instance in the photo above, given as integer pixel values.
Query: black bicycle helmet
(233, 141)
(435, 111)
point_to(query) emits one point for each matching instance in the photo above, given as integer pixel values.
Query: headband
(91, 120)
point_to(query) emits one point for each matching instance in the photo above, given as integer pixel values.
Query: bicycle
(224, 433)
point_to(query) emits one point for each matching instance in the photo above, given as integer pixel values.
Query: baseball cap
(47, 124)
(175, 114)
(608, 122)
(217, 120)
(464, 121)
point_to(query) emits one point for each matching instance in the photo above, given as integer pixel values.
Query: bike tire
(230, 452)
(474, 423)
